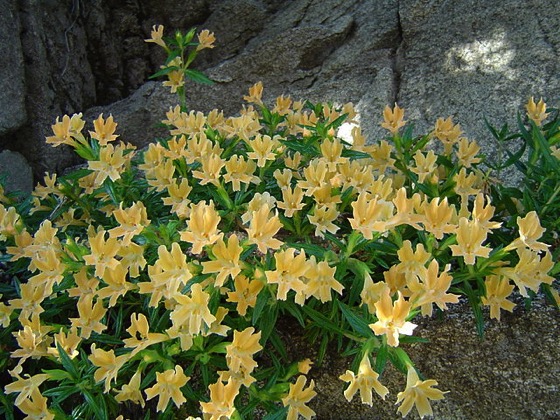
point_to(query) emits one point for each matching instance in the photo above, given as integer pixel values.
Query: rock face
(465, 58)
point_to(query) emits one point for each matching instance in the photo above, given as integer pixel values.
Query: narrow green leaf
(262, 300)
(93, 405)
(279, 414)
(198, 77)
(68, 363)
(358, 324)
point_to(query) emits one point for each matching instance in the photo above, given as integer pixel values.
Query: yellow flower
(64, 131)
(5, 313)
(169, 274)
(372, 292)
(536, 112)
(263, 149)
(483, 214)
(168, 387)
(437, 218)
(86, 285)
(131, 391)
(36, 407)
(25, 387)
(323, 218)
(418, 393)
(157, 36)
(331, 150)
(393, 119)
(289, 274)
(255, 94)
(9, 220)
(432, 288)
(465, 185)
(315, 175)
(425, 166)
(104, 130)
(298, 397)
(32, 340)
(162, 175)
(221, 401)
(202, 228)
(103, 252)
(111, 162)
(206, 39)
(405, 209)
(90, 316)
(245, 294)
(364, 381)
(178, 198)
(140, 334)
(226, 262)
(131, 222)
(292, 201)
(117, 285)
(262, 228)
(133, 258)
(108, 365)
(304, 366)
(68, 341)
(530, 230)
(193, 310)
(283, 104)
(470, 236)
(447, 133)
(498, 289)
(392, 318)
(321, 280)
(211, 167)
(259, 200)
(239, 354)
(238, 171)
(381, 156)
(176, 80)
(370, 214)
(530, 271)
(412, 263)
(467, 151)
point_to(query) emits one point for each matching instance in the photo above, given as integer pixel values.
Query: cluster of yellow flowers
(237, 194)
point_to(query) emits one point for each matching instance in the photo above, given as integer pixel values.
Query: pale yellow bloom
(323, 218)
(221, 404)
(111, 162)
(176, 80)
(431, 287)
(262, 228)
(192, 310)
(104, 130)
(157, 36)
(108, 365)
(304, 366)
(412, 263)
(315, 175)
(32, 340)
(448, 133)
(239, 170)
(418, 393)
(140, 335)
(331, 150)
(239, 354)
(132, 221)
(168, 387)
(289, 274)
(370, 215)
(470, 236)
(226, 262)
(247, 126)
(467, 152)
(36, 407)
(372, 292)
(259, 200)
(321, 280)
(178, 198)
(255, 94)
(131, 391)
(426, 166)
(365, 381)
(103, 252)
(117, 285)
(25, 387)
(212, 166)
(68, 341)
(393, 119)
(202, 227)
(264, 148)
(438, 215)
(392, 318)
(530, 231)
(498, 288)
(381, 156)
(89, 317)
(206, 39)
(536, 112)
(298, 397)
(245, 294)
(292, 201)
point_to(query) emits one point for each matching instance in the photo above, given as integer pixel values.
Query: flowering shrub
(151, 284)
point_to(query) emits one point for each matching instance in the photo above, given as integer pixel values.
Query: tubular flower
(365, 381)
(530, 231)
(323, 218)
(498, 288)
(470, 236)
(467, 152)
(131, 222)
(202, 228)
(221, 401)
(157, 36)
(25, 387)
(247, 126)
(412, 263)
(393, 119)
(206, 39)
(178, 198)
(418, 393)
(117, 285)
(68, 341)
(131, 391)
(35, 407)
(432, 289)
(103, 252)
(255, 94)
(437, 217)
(315, 175)
(447, 133)
(297, 398)
(108, 365)
(425, 166)
(370, 215)
(289, 274)
(264, 148)
(111, 162)
(140, 335)
(392, 318)
(321, 280)
(239, 354)
(292, 201)
(226, 262)
(262, 228)
(168, 387)
(211, 168)
(372, 292)
(536, 112)
(239, 171)
(90, 316)
(193, 310)
(104, 130)
(245, 294)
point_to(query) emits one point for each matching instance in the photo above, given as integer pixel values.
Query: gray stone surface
(12, 73)
(15, 169)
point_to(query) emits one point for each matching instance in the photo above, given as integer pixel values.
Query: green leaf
(399, 358)
(92, 403)
(262, 300)
(68, 363)
(57, 374)
(381, 359)
(358, 324)
(198, 77)
(279, 414)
